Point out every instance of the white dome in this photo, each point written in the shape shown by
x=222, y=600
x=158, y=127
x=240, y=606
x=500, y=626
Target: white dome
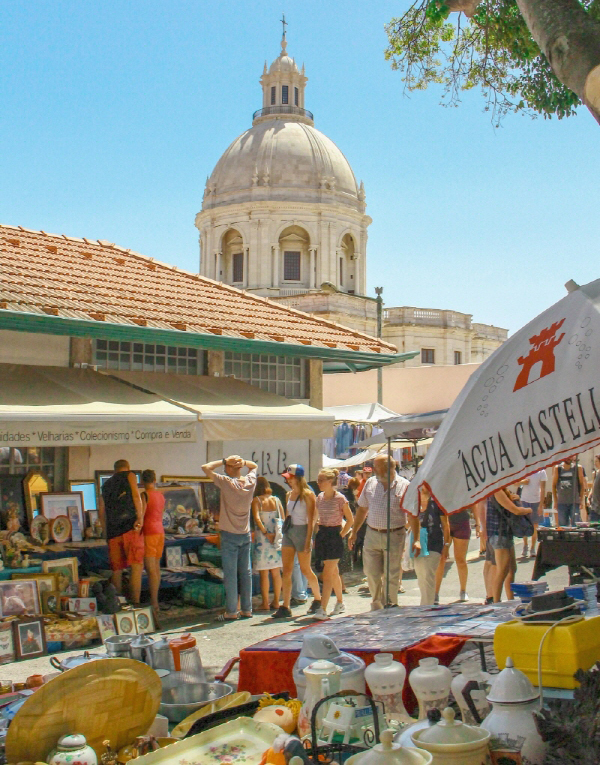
x=282, y=160
x=283, y=64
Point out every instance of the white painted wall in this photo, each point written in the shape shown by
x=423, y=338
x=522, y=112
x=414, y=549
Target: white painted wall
x=33, y=348
x=272, y=457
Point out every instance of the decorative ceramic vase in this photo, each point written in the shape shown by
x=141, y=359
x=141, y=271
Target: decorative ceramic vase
x=430, y=682
x=511, y=723
x=470, y=690
x=322, y=679
x=452, y=742
x=385, y=678
x=390, y=753
x=72, y=749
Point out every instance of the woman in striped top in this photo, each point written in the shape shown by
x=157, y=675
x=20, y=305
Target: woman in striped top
x=332, y=509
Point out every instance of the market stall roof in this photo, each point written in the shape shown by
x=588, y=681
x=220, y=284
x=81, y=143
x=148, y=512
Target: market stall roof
x=55, y=284
x=372, y=451
x=232, y=410
x=365, y=413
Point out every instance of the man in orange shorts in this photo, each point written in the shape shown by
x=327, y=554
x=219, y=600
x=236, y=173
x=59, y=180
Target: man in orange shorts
x=122, y=515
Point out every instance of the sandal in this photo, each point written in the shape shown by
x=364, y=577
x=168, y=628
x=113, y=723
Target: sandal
x=243, y=615
x=225, y=618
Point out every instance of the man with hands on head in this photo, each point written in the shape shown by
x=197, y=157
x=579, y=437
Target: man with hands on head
x=237, y=492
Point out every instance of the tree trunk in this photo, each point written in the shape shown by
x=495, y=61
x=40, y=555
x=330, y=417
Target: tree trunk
x=570, y=40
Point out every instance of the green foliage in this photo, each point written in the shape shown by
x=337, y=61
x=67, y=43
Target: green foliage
x=493, y=51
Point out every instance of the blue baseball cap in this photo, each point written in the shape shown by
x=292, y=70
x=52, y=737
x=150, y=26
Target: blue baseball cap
x=296, y=470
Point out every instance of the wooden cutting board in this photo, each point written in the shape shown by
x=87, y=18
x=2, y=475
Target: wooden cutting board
x=115, y=699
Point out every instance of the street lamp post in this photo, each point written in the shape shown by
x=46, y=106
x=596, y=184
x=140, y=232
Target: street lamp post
x=378, y=291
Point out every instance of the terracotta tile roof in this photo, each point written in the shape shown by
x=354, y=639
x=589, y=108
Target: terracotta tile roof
x=64, y=276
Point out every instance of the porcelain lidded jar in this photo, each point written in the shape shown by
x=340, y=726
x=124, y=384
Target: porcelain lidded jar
x=511, y=722
x=72, y=750
x=385, y=678
x=390, y=753
x=452, y=742
x=430, y=682
x=470, y=690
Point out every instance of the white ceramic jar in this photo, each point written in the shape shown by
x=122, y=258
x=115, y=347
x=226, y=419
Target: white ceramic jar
x=511, y=723
x=385, y=678
x=390, y=753
x=452, y=742
x=470, y=690
x=430, y=682
x=72, y=749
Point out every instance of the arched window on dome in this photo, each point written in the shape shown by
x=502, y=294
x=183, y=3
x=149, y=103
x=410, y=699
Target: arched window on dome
x=347, y=265
x=232, y=264
x=294, y=265
x=273, y=95
x=284, y=94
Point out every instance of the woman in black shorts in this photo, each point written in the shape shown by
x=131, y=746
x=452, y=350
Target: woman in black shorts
x=460, y=533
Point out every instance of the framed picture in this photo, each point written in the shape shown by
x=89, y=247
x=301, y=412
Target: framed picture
x=19, y=597
x=89, y=491
x=12, y=500
x=34, y=484
x=174, y=557
x=102, y=477
x=77, y=519
x=180, y=500
x=45, y=582
x=106, y=626
x=7, y=643
x=93, y=517
x=62, y=503
x=30, y=638
x=144, y=620
x=125, y=623
x=67, y=570
x=51, y=602
x=193, y=558
x=211, y=498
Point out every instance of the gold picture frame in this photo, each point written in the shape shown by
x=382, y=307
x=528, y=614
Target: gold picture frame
x=35, y=483
x=65, y=568
x=47, y=582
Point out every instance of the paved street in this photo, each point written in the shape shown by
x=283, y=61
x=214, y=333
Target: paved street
x=218, y=642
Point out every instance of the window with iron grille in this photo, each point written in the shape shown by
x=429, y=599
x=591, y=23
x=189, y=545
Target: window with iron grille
x=291, y=266
x=296, y=96
x=147, y=357
x=273, y=90
x=283, y=375
x=238, y=267
x=427, y=356
x=50, y=460
x=284, y=94
x=457, y=357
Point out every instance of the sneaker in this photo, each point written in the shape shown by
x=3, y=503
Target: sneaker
x=532, y=553
x=338, y=609
x=436, y=600
x=297, y=602
x=320, y=614
x=463, y=596
x=314, y=607
x=282, y=613
x=525, y=552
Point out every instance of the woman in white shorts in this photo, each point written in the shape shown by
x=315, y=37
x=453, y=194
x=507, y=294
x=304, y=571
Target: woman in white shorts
x=297, y=539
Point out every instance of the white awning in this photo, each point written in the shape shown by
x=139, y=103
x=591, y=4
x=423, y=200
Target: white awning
x=365, y=413
x=62, y=406
x=232, y=410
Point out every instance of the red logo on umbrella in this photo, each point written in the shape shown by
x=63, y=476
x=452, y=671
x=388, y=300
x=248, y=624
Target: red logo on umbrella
x=542, y=351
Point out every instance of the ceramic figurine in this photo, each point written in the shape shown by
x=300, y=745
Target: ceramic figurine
x=430, y=682
x=109, y=757
x=385, y=678
x=277, y=714
x=452, y=742
x=470, y=689
x=72, y=750
x=511, y=722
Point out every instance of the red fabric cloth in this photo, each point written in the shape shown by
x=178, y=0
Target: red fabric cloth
x=271, y=671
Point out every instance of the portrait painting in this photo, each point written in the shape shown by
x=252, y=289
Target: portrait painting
x=30, y=638
x=19, y=597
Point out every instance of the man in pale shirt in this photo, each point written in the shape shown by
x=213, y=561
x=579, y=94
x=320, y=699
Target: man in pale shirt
x=372, y=507
x=533, y=496
x=237, y=492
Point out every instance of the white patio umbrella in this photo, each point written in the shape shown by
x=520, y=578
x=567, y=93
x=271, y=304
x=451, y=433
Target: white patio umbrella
x=533, y=402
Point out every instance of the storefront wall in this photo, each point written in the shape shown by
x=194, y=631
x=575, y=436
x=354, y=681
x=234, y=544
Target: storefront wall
x=37, y=349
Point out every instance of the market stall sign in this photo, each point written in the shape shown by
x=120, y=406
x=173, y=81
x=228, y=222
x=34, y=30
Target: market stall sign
x=93, y=434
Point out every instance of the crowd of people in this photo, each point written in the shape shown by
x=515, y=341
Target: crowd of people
x=346, y=517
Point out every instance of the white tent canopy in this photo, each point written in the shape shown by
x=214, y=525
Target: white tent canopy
x=363, y=413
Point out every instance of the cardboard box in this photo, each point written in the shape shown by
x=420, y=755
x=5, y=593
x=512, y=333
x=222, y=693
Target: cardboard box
x=83, y=605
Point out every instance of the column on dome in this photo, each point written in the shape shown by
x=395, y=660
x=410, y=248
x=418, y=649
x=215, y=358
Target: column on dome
x=275, y=267
x=218, y=266
x=246, y=267
x=311, y=275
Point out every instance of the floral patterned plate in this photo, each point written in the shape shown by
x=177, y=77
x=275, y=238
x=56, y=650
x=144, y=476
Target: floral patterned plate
x=237, y=742
x=60, y=528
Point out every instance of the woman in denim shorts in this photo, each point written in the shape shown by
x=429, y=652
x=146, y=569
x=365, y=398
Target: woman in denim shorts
x=500, y=538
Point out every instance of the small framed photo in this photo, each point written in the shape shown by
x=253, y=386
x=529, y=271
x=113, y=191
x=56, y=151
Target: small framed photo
x=7, y=643
x=193, y=558
x=106, y=626
x=144, y=620
x=67, y=570
x=51, y=601
x=125, y=623
x=30, y=638
x=174, y=557
x=45, y=582
x=58, y=503
x=19, y=597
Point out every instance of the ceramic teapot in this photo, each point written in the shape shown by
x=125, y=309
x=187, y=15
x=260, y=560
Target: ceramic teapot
x=390, y=753
x=322, y=679
x=511, y=723
x=452, y=742
x=72, y=749
x=430, y=682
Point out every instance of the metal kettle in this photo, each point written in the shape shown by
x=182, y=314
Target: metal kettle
x=142, y=649
x=163, y=656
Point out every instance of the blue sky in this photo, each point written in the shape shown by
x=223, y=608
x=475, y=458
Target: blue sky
x=113, y=114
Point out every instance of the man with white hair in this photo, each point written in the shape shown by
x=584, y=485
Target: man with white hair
x=237, y=492
x=372, y=507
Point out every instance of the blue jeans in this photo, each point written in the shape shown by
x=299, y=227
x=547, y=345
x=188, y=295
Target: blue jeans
x=568, y=513
x=299, y=582
x=236, y=559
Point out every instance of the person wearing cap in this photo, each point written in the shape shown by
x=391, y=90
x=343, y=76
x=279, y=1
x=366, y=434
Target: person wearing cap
x=372, y=507
x=237, y=492
x=297, y=539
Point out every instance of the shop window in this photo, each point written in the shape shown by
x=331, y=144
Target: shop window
x=50, y=460
x=291, y=266
x=457, y=357
x=272, y=95
x=238, y=267
x=147, y=357
x=284, y=94
x=427, y=356
x=283, y=375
